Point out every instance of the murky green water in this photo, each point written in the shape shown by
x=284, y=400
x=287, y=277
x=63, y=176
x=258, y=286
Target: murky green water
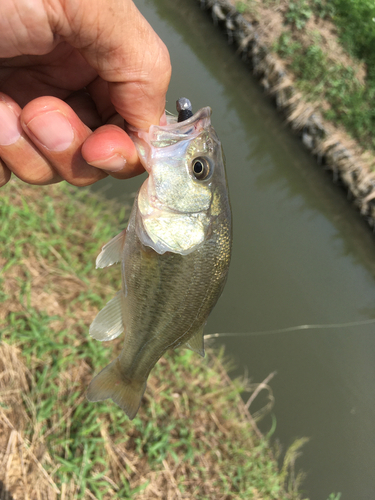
x=301, y=255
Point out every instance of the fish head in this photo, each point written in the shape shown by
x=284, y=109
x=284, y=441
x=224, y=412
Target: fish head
x=186, y=182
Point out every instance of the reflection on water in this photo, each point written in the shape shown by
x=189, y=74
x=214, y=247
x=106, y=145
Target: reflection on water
x=301, y=255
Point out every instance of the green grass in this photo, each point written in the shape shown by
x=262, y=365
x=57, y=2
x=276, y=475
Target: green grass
x=319, y=78
x=356, y=22
x=345, y=100
x=298, y=13
x=192, y=435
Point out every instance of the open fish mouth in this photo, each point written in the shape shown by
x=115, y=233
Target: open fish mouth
x=176, y=131
x=161, y=136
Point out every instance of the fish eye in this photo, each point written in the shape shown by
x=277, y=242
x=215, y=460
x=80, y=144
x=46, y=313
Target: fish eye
x=201, y=168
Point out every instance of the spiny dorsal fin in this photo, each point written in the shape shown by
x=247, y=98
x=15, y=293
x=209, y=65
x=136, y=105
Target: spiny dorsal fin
x=111, y=252
x=108, y=323
x=196, y=343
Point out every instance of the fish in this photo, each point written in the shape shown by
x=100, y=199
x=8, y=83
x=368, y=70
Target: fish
x=174, y=254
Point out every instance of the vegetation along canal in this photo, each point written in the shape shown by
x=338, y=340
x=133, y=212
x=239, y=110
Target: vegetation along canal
x=301, y=255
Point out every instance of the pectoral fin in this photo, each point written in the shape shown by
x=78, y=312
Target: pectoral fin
x=111, y=252
x=196, y=343
x=108, y=323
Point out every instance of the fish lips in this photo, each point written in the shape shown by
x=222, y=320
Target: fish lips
x=163, y=136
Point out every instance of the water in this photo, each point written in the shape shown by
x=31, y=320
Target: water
x=301, y=255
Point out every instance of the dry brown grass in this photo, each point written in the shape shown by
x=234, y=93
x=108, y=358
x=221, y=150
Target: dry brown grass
x=194, y=436
x=28, y=468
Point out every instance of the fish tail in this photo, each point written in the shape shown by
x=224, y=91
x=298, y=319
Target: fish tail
x=111, y=383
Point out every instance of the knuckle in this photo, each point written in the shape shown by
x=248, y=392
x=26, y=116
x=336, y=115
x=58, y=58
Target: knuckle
x=164, y=65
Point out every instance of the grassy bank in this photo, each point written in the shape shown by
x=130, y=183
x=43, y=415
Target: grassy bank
x=327, y=45
x=193, y=436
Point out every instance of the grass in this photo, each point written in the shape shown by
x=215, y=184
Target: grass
x=322, y=79
x=193, y=437
x=355, y=20
x=324, y=74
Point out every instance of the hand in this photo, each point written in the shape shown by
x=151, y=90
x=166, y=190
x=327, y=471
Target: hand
x=69, y=67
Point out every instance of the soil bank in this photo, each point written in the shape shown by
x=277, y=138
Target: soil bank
x=331, y=145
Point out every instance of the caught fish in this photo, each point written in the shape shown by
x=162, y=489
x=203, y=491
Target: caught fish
x=174, y=254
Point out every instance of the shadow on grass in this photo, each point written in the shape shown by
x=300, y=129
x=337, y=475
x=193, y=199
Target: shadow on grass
x=4, y=494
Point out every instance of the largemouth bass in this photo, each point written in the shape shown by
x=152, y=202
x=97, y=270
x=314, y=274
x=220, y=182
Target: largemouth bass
x=174, y=254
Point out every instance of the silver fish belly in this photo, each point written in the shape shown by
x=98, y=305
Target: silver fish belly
x=174, y=256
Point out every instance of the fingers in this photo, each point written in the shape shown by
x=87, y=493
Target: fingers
x=58, y=134
x=76, y=154
x=41, y=144
x=119, y=43
x=17, y=152
x=111, y=149
x=47, y=142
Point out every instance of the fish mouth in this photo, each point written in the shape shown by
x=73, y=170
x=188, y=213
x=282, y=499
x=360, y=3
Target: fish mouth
x=166, y=135
x=199, y=121
x=161, y=136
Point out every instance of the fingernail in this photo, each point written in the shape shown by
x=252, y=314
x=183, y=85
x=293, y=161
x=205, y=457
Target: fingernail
x=53, y=130
x=113, y=164
x=10, y=127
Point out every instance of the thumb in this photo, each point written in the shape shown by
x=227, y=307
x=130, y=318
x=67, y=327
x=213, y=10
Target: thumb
x=117, y=41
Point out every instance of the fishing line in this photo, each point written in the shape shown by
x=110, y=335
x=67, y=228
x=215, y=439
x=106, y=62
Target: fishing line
x=292, y=329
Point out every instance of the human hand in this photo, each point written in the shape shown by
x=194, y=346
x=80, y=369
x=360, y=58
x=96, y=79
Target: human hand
x=67, y=68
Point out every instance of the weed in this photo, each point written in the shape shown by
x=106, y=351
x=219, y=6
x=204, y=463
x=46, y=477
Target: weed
x=287, y=47
x=298, y=13
x=334, y=496
x=325, y=9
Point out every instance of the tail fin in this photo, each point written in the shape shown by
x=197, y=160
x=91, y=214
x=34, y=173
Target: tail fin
x=111, y=383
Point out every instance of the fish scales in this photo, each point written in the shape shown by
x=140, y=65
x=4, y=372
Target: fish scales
x=174, y=256
x=172, y=301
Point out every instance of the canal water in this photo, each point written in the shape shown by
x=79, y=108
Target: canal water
x=301, y=255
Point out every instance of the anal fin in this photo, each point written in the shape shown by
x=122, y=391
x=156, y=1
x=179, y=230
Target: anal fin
x=111, y=252
x=108, y=323
x=196, y=343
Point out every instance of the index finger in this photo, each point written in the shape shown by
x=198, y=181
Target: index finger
x=119, y=43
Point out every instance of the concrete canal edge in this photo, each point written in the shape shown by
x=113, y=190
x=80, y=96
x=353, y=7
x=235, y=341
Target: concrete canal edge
x=319, y=137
